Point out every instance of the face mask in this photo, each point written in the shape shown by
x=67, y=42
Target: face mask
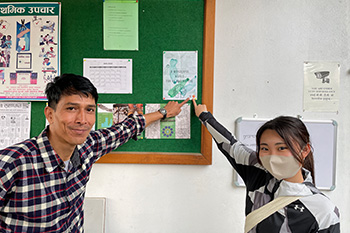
x=281, y=167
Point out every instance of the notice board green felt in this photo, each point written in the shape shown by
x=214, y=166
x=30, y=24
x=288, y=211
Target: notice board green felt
x=164, y=25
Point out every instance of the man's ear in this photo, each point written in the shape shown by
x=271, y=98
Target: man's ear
x=48, y=111
x=306, y=150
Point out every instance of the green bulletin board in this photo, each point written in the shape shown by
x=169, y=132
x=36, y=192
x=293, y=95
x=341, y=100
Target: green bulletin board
x=164, y=25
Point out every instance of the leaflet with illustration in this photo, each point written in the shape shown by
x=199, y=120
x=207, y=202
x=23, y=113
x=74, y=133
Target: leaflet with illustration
x=180, y=77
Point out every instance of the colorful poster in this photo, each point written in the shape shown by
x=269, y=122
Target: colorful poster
x=29, y=49
x=112, y=114
x=178, y=127
x=104, y=115
x=321, y=86
x=180, y=75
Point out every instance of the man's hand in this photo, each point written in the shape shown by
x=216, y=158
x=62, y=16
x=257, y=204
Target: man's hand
x=131, y=109
x=173, y=108
x=139, y=109
x=199, y=108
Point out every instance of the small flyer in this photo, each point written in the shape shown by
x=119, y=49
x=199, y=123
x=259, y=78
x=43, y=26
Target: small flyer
x=321, y=86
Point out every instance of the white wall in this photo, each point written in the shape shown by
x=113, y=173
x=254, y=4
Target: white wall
x=260, y=49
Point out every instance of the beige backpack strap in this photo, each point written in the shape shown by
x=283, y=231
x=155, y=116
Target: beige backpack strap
x=256, y=216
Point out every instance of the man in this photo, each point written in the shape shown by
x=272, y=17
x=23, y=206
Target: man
x=43, y=179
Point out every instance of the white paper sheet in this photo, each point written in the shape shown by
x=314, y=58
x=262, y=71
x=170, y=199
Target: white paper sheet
x=109, y=75
x=14, y=122
x=321, y=86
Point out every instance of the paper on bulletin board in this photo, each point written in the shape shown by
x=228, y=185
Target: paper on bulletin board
x=29, y=49
x=321, y=86
x=180, y=75
x=104, y=115
x=111, y=114
x=14, y=122
x=178, y=127
x=109, y=75
x=120, y=25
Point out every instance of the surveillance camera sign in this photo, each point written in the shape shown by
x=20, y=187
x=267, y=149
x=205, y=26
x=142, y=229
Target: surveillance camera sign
x=321, y=86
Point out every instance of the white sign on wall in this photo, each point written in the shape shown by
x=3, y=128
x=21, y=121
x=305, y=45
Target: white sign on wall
x=321, y=86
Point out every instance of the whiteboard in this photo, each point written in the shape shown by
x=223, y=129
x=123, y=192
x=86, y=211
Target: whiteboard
x=323, y=137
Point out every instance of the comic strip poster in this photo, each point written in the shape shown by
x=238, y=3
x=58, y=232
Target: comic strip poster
x=29, y=49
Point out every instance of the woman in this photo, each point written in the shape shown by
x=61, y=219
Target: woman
x=281, y=167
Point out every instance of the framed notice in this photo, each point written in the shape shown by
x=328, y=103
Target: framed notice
x=29, y=49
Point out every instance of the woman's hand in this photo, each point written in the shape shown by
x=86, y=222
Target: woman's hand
x=199, y=108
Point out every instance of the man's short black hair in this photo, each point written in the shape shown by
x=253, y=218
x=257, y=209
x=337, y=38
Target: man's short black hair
x=69, y=84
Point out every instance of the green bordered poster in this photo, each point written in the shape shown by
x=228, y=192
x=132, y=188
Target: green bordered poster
x=29, y=49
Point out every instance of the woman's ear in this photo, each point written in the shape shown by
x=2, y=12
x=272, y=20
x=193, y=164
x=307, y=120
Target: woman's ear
x=306, y=150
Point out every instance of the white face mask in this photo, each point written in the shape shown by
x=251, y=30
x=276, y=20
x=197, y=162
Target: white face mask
x=280, y=166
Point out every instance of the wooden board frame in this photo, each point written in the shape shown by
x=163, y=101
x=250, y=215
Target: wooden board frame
x=205, y=157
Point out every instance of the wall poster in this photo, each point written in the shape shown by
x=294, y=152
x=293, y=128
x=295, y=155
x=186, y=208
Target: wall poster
x=180, y=71
x=321, y=86
x=29, y=49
